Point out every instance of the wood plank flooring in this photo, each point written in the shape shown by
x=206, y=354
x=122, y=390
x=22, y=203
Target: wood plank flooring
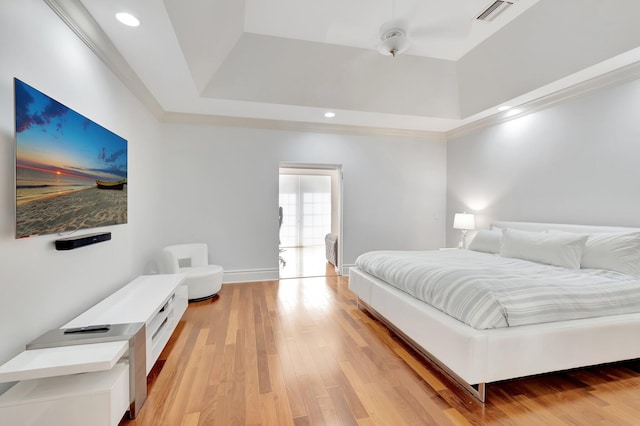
x=299, y=352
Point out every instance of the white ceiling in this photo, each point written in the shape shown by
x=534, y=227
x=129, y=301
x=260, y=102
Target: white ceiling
x=292, y=60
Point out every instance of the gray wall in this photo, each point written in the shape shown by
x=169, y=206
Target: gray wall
x=577, y=162
x=222, y=188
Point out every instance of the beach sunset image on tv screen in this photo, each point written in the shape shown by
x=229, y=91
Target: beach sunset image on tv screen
x=71, y=173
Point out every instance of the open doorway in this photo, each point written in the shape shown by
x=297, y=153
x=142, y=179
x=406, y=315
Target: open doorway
x=310, y=220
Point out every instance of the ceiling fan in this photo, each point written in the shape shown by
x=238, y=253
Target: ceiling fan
x=395, y=36
x=393, y=39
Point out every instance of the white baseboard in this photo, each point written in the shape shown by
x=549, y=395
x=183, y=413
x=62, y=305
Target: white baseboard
x=345, y=269
x=250, y=275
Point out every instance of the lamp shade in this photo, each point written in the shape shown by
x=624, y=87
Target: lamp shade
x=464, y=221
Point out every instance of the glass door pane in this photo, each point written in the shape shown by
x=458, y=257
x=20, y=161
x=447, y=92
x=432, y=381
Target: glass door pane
x=306, y=205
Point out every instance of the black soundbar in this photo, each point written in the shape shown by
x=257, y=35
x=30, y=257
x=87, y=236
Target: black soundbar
x=71, y=243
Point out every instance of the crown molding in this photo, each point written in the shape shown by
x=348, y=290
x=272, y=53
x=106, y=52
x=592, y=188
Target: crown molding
x=616, y=77
x=80, y=21
x=297, y=126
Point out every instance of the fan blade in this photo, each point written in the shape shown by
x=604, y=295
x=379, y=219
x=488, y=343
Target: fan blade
x=363, y=62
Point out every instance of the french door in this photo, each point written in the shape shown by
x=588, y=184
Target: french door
x=306, y=208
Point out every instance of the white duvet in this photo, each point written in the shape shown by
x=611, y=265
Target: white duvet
x=489, y=291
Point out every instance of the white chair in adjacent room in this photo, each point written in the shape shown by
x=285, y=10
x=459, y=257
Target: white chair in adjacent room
x=204, y=281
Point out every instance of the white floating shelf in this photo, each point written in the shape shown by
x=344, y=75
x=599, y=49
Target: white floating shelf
x=59, y=361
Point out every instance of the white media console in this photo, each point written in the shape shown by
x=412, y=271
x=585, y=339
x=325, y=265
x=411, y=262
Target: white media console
x=89, y=383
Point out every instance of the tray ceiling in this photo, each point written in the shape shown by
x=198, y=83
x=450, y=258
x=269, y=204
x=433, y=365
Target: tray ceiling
x=292, y=60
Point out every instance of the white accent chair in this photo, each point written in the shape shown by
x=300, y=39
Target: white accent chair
x=204, y=281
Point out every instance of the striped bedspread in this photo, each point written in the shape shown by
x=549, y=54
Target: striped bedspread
x=488, y=291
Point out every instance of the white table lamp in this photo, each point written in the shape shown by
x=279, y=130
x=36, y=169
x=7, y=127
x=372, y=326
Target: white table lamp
x=465, y=222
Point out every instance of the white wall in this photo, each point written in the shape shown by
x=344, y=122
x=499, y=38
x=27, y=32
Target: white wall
x=577, y=162
x=221, y=186
x=42, y=288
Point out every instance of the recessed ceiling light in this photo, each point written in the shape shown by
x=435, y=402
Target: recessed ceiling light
x=329, y=114
x=504, y=107
x=127, y=19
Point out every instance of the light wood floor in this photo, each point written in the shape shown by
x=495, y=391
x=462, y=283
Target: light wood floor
x=299, y=352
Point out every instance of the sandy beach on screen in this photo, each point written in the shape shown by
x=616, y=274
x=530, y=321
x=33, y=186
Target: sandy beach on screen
x=88, y=208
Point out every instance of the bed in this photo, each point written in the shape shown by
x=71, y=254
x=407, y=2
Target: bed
x=475, y=354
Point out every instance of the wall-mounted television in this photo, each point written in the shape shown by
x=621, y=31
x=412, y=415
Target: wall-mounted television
x=71, y=173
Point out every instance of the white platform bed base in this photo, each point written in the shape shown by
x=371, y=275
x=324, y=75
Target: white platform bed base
x=474, y=357
x=476, y=390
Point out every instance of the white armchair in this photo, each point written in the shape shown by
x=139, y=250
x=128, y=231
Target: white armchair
x=204, y=281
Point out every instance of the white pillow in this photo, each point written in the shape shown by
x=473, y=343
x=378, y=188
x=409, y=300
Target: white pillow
x=553, y=248
x=618, y=252
x=488, y=241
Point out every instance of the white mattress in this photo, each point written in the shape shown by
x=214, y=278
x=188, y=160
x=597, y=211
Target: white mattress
x=488, y=291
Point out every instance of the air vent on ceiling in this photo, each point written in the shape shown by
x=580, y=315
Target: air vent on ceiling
x=494, y=9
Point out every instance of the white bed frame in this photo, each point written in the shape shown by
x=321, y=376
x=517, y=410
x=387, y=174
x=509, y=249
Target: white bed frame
x=474, y=358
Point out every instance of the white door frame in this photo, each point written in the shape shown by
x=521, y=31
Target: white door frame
x=308, y=168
